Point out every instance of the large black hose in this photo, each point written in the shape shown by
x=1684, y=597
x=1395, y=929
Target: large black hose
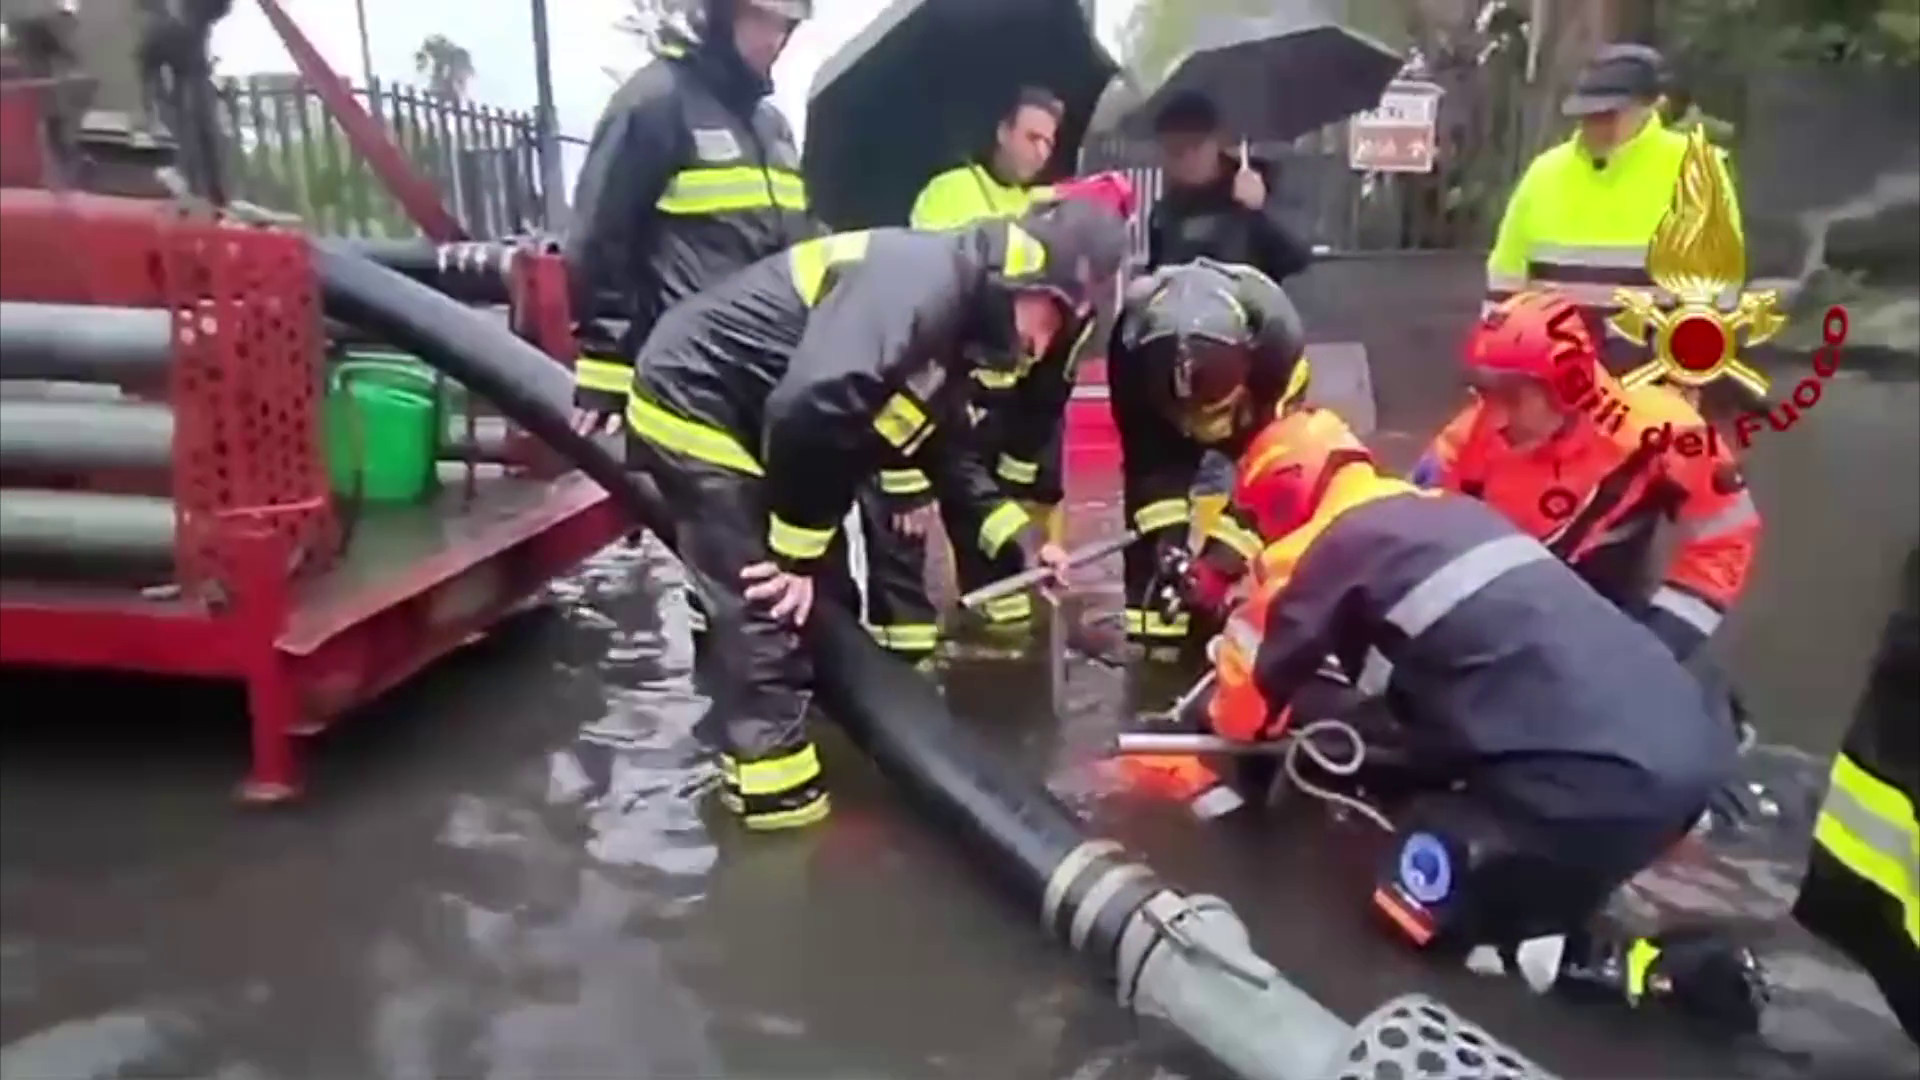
x=473, y=272
x=1185, y=959
x=884, y=706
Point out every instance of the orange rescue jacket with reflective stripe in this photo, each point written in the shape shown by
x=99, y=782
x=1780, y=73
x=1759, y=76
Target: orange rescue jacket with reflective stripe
x=1596, y=492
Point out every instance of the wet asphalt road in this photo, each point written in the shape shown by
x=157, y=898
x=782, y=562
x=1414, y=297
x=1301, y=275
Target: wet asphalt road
x=508, y=869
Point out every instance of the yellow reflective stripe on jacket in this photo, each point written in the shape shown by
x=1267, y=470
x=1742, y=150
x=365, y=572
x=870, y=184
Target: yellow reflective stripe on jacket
x=1297, y=385
x=1152, y=624
x=904, y=481
x=1000, y=526
x=730, y=188
x=1017, y=471
x=682, y=436
x=1162, y=514
x=996, y=378
x=809, y=261
x=1008, y=609
x=907, y=637
x=1868, y=826
x=1025, y=255
x=796, y=541
x=1244, y=542
x=903, y=423
x=609, y=376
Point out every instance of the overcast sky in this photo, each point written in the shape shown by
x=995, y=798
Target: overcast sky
x=499, y=35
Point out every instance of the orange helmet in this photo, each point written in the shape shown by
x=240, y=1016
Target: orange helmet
x=1530, y=336
x=1285, y=471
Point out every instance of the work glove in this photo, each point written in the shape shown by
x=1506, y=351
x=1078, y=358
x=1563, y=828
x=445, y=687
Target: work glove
x=1426, y=472
x=1182, y=582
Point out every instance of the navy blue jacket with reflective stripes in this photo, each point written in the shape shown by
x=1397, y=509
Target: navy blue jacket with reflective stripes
x=1522, y=680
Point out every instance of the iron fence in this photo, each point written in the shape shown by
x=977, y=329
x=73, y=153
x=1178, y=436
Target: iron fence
x=286, y=153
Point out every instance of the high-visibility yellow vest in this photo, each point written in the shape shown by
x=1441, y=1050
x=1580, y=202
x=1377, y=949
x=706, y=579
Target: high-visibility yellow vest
x=1582, y=229
x=961, y=196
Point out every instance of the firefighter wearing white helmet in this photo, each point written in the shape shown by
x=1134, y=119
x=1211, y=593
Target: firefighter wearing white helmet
x=693, y=174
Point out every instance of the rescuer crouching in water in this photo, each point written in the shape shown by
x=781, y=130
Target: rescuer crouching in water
x=1204, y=354
x=760, y=406
x=1564, y=748
x=1591, y=469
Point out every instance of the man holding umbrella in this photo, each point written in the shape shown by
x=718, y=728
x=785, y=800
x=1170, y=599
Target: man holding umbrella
x=1216, y=206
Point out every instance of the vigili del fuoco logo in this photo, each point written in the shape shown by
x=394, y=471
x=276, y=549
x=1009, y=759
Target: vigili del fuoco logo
x=1698, y=259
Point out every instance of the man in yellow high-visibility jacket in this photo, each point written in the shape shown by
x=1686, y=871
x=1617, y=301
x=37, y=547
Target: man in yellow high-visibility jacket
x=995, y=185
x=1583, y=213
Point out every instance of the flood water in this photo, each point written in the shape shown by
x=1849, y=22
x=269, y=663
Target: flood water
x=509, y=868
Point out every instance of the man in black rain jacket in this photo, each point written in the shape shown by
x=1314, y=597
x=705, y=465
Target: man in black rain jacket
x=691, y=176
x=762, y=405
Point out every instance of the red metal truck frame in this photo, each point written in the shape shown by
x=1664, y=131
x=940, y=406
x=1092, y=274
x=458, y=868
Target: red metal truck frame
x=256, y=530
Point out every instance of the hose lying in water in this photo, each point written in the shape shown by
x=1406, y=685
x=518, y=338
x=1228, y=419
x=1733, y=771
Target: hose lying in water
x=1185, y=959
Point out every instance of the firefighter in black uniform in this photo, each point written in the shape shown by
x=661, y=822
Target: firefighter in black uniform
x=1862, y=890
x=1012, y=423
x=1203, y=356
x=762, y=405
x=1016, y=414
x=692, y=175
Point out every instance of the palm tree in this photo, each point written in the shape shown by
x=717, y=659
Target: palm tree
x=445, y=65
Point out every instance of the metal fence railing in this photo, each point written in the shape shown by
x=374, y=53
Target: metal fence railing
x=286, y=153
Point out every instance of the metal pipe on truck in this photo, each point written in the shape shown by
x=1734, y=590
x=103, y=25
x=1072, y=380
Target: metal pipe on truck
x=52, y=435
x=86, y=527
x=83, y=343
x=1186, y=959
x=78, y=436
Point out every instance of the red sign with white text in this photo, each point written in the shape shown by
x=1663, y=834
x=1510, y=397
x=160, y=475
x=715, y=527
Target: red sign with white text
x=1398, y=135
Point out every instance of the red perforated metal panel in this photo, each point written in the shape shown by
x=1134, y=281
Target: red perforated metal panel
x=245, y=392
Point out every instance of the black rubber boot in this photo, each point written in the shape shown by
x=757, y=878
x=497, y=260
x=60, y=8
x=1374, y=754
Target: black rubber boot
x=1698, y=973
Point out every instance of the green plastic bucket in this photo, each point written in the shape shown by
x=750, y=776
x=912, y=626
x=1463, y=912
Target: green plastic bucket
x=384, y=416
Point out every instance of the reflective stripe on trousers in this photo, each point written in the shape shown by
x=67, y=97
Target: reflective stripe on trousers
x=1445, y=589
x=1868, y=826
x=1147, y=623
x=781, y=792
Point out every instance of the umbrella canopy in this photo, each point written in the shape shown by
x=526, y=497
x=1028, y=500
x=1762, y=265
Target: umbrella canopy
x=1273, y=80
x=920, y=91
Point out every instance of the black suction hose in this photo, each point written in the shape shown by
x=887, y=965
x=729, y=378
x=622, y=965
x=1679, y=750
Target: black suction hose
x=1186, y=959
x=885, y=707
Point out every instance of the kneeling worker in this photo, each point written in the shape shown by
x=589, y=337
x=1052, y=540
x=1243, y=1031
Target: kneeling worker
x=1572, y=749
x=761, y=405
x=1591, y=468
x=1204, y=355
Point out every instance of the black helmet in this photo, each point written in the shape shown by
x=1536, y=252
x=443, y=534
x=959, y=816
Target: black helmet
x=1072, y=249
x=797, y=10
x=1188, y=327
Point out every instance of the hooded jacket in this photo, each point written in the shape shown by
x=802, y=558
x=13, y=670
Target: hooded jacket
x=847, y=354
x=692, y=175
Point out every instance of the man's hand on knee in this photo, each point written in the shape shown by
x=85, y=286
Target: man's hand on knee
x=788, y=597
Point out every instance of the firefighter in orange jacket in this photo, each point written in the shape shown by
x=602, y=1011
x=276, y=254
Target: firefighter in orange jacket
x=1567, y=748
x=1591, y=469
